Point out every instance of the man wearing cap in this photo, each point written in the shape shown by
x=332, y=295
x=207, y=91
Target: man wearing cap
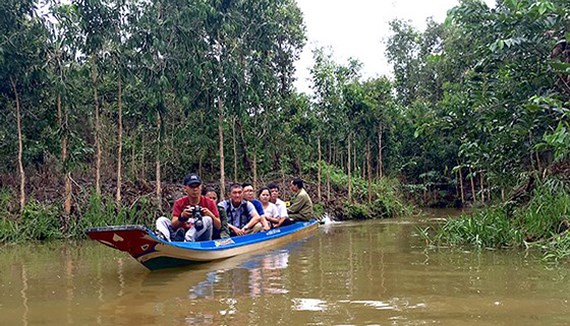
x=185, y=221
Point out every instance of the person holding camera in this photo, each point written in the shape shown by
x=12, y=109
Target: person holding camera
x=193, y=216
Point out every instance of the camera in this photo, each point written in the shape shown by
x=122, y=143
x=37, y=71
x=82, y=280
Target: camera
x=181, y=218
x=197, y=215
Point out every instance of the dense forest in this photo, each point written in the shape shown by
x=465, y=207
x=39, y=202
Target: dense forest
x=106, y=103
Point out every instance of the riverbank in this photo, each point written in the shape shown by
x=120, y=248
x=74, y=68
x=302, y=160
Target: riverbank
x=43, y=217
x=537, y=219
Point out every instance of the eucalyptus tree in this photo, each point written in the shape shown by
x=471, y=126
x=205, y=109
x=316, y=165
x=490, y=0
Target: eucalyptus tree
x=96, y=28
x=377, y=116
x=327, y=98
x=403, y=52
x=252, y=46
x=119, y=53
x=62, y=51
x=331, y=85
x=162, y=58
x=21, y=58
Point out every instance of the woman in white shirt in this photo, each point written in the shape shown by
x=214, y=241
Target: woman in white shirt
x=271, y=211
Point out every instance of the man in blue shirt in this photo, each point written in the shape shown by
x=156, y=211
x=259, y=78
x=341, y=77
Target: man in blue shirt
x=242, y=216
x=248, y=194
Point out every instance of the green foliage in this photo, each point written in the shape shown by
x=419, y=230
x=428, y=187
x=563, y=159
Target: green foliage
x=39, y=222
x=98, y=213
x=547, y=214
x=558, y=249
x=544, y=220
x=386, y=194
x=6, y=200
x=319, y=209
x=558, y=141
x=490, y=228
x=9, y=230
x=357, y=211
x=102, y=211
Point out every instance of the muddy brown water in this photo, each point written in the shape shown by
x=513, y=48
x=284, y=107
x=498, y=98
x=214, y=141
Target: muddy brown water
x=353, y=273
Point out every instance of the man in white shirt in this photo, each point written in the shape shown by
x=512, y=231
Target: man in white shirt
x=281, y=206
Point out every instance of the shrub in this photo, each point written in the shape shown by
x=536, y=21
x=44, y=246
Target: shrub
x=356, y=211
x=490, y=228
x=9, y=231
x=40, y=222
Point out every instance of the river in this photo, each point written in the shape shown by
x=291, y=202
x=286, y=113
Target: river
x=353, y=273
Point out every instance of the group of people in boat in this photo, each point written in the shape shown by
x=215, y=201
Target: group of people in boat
x=199, y=216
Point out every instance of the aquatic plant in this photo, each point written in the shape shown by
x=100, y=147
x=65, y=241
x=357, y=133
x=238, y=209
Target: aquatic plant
x=489, y=228
x=558, y=248
x=543, y=222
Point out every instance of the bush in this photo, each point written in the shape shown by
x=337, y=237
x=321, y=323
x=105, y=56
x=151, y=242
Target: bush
x=559, y=248
x=356, y=211
x=546, y=214
x=544, y=220
x=9, y=231
x=319, y=210
x=490, y=228
x=102, y=211
x=40, y=222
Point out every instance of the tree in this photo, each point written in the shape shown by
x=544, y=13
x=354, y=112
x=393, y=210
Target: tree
x=21, y=58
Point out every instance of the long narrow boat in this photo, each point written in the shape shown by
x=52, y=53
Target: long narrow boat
x=155, y=253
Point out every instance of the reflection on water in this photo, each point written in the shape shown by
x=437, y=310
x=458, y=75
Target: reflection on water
x=349, y=273
x=254, y=277
x=25, y=296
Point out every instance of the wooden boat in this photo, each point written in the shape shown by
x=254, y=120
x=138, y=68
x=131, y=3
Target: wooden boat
x=154, y=253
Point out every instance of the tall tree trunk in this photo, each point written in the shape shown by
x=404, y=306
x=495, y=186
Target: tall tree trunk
x=354, y=160
x=20, y=147
x=235, y=151
x=62, y=121
x=254, y=167
x=246, y=160
x=336, y=160
x=221, y=147
x=369, y=170
x=319, y=195
x=482, y=188
x=158, y=152
x=143, y=159
x=329, y=174
x=348, y=165
x=380, y=167
x=473, y=195
x=133, y=172
x=461, y=185
x=97, y=128
x=120, y=150
x=364, y=169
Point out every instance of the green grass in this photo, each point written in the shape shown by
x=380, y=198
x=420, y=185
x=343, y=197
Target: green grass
x=542, y=222
x=490, y=228
x=558, y=249
x=40, y=221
